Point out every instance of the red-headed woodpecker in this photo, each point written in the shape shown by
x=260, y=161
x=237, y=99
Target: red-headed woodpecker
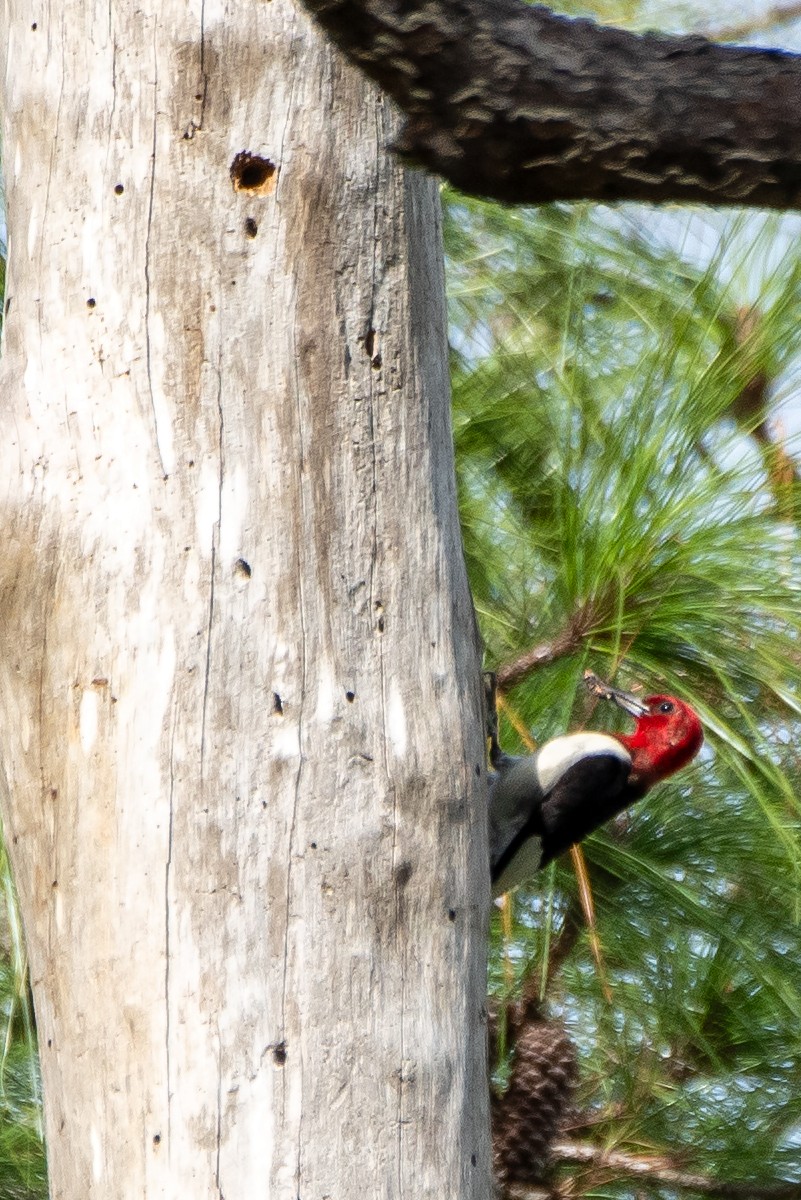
x=543, y=803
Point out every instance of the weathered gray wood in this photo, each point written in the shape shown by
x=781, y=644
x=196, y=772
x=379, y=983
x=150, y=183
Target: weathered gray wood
x=506, y=100
x=239, y=682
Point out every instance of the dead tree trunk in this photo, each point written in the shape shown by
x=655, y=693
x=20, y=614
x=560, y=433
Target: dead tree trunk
x=239, y=682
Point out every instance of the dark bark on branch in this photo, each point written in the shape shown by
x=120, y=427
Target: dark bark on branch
x=514, y=103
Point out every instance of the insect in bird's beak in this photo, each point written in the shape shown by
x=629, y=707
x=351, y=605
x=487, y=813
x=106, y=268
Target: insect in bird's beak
x=624, y=700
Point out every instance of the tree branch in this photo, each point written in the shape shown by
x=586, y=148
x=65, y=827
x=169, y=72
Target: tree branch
x=544, y=653
x=656, y=1171
x=779, y=14
x=750, y=410
x=511, y=102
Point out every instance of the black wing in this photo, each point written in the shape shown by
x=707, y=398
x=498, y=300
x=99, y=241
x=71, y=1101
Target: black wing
x=584, y=797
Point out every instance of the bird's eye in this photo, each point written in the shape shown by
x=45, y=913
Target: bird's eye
x=666, y=707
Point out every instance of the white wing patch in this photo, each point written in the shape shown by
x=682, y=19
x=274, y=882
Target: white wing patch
x=521, y=869
x=561, y=753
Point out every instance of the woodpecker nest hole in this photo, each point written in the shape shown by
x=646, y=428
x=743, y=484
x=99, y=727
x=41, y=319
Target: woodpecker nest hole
x=250, y=173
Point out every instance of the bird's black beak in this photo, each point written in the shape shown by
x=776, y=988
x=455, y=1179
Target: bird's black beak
x=624, y=700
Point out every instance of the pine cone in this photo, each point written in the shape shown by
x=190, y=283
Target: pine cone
x=530, y=1115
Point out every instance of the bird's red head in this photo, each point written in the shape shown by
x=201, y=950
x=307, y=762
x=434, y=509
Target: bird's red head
x=667, y=736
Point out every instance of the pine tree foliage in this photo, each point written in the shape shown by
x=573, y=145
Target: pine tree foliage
x=618, y=513
x=23, y=1174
